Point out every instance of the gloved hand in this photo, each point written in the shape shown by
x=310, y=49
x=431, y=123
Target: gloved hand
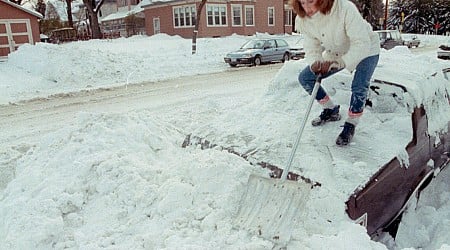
x=323, y=67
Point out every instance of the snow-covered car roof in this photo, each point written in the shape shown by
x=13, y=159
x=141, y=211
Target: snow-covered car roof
x=425, y=85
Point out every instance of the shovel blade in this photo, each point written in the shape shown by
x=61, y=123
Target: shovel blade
x=271, y=208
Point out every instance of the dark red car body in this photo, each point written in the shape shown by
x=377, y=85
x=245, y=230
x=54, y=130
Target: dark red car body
x=386, y=194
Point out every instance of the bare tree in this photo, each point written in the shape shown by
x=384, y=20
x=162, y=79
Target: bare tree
x=69, y=12
x=41, y=7
x=51, y=13
x=372, y=11
x=197, y=22
x=93, y=7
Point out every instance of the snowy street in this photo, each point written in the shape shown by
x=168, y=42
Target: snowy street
x=27, y=122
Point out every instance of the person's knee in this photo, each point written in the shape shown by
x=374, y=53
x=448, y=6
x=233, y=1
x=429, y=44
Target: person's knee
x=305, y=77
x=302, y=77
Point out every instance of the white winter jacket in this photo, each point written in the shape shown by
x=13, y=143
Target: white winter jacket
x=343, y=33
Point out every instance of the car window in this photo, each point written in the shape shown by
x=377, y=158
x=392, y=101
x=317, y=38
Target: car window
x=282, y=43
x=396, y=35
x=258, y=44
x=270, y=44
x=253, y=44
x=382, y=35
x=388, y=36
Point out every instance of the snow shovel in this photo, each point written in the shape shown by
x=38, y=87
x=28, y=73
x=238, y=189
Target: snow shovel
x=272, y=207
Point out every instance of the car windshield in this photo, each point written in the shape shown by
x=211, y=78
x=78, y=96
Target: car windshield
x=382, y=35
x=253, y=44
x=409, y=36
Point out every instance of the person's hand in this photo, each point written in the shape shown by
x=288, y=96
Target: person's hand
x=323, y=67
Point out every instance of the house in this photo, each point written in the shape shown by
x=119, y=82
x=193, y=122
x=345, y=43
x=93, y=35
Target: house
x=18, y=26
x=219, y=17
x=127, y=20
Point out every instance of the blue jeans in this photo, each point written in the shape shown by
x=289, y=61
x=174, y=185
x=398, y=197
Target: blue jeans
x=360, y=83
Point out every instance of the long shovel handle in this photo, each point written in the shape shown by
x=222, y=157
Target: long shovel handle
x=302, y=127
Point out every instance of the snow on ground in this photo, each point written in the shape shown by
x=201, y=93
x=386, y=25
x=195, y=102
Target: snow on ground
x=121, y=180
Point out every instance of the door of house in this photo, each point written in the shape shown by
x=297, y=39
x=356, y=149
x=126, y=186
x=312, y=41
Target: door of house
x=13, y=33
x=156, y=25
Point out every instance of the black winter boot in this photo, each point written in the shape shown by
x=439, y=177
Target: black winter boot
x=346, y=135
x=327, y=115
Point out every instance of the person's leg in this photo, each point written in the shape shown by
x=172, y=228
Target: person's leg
x=307, y=79
x=330, y=112
x=360, y=88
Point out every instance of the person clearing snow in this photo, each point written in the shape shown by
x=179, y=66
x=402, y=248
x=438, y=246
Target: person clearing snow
x=337, y=37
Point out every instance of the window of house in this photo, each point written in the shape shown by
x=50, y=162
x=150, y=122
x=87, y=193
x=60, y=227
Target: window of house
x=216, y=14
x=188, y=15
x=193, y=15
x=184, y=16
x=288, y=17
x=237, y=14
x=249, y=15
x=271, y=16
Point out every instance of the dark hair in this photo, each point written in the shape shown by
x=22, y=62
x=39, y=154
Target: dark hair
x=324, y=7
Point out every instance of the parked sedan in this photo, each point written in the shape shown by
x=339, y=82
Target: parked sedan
x=410, y=40
x=444, y=51
x=389, y=38
x=258, y=51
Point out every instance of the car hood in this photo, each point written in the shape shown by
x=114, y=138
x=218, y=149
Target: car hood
x=243, y=51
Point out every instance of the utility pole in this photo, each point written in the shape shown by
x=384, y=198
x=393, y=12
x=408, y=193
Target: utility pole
x=197, y=23
x=386, y=14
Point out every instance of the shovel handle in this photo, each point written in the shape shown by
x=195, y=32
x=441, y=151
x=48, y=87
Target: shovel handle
x=302, y=127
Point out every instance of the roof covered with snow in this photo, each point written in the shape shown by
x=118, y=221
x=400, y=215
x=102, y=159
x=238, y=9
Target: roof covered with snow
x=32, y=12
x=124, y=13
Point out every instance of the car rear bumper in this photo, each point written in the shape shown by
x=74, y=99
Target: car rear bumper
x=443, y=54
x=411, y=44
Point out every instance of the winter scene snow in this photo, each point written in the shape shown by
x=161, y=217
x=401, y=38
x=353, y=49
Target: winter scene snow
x=136, y=143
x=114, y=176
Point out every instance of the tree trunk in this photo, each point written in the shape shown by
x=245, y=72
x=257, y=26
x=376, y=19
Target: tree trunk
x=197, y=22
x=69, y=12
x=93, y=9
x=40, y=7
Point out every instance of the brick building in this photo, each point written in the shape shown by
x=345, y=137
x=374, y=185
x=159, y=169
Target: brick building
x=219, y=17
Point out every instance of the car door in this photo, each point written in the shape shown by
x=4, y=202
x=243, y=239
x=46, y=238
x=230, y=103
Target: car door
x=277, y=51
x=389, y=42
x=393, y=38
x=282, y=48
x=269, y=51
